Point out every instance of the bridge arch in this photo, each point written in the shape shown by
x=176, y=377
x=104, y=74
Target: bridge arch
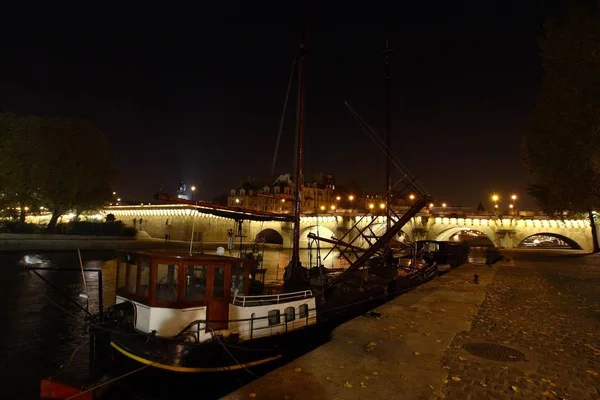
x=474, y=237
x=270, y=236
x=323, y=232
x=549, y=240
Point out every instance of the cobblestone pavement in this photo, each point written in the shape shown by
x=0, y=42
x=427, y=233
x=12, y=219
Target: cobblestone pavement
x=548, y=308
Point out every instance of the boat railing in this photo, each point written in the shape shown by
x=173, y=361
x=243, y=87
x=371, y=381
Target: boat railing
x=250, y=301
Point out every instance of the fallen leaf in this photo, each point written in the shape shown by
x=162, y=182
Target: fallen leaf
x=439, y=395
x=417, y=353
x=297, y=369
x=253, y=395
x=515, y=388
x=547, y=394
x=328, y=378
x=455, y=378
x=529, y=380
x=438, y=341
x=375, y=373
x=445, y=380
x=347, y=384
x=589, y=371
x=461, y=358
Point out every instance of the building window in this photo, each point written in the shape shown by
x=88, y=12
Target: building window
x=166, y=282
x=303, y=311
x=290, y=314
x=274, y=317
x=144, y=277
x=133, y=272
x=195, y=287
x=219, y=282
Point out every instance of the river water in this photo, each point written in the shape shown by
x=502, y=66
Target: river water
x=43, y=334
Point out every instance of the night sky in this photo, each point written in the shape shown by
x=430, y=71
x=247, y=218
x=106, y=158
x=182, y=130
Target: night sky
x=197, y=95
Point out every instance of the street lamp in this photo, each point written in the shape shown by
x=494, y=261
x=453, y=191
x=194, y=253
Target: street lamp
x=382, y=206
x=351, y=198
x=371, y=206
x=322, y=208
x=338, y=198
x=430, y=205
x=443, y=204
x=412, y=196
x=237, y=201
x=193, y=190
x=332, y=207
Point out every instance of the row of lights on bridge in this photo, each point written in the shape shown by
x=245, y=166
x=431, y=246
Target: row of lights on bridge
x=351, y=198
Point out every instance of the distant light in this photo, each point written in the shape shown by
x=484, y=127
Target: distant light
x=514, y=197
x=495, y=197
x=371, y=206
x=382, y=206
x=412, y=197
x=332, y=207
x=119, y=199
x=338, y=198
x=322, y=208
x=237, y=201
x=443, y=204
x=193, y=188
x=511, y=206
x=26, y=208
x=495, y=205
x=430, y=205
x=350, y=197
x=283, y=200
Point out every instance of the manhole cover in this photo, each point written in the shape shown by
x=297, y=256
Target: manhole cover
x=494, y=352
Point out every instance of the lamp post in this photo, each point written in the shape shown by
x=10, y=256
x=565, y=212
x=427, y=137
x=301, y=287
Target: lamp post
x=513, y=197
x=351, y=199
x=193, y=190
x=495, y=199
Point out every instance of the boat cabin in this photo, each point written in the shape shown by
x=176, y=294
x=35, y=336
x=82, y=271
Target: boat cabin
x=172, y=293
x=168, y=285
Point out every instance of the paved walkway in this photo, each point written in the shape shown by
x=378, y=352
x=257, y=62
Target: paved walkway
x=549, y=311
x=395, y=356
x=545, y=311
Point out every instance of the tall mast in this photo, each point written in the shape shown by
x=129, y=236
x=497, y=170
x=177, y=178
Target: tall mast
x=388, y=127
x=298, y=175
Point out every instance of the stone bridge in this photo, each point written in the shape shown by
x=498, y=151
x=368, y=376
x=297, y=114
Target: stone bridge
x=505, y=231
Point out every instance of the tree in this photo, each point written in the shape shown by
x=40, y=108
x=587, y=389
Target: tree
x=79, y=168
x=561, y=151
x=20, y=164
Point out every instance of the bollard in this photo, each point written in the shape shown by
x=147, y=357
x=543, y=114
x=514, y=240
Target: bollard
x=475, y=278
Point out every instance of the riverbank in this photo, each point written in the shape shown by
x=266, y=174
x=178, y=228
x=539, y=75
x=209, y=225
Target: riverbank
x=54, y=242
x=395, y=355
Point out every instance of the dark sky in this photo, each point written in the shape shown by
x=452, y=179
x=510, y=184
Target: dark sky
x=196, y=95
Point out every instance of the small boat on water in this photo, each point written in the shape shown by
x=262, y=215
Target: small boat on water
x=202, y=313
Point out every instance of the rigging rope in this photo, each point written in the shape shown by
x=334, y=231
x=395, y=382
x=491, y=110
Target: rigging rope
x=282, y=119
x=394, y=159
x=87, y=297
